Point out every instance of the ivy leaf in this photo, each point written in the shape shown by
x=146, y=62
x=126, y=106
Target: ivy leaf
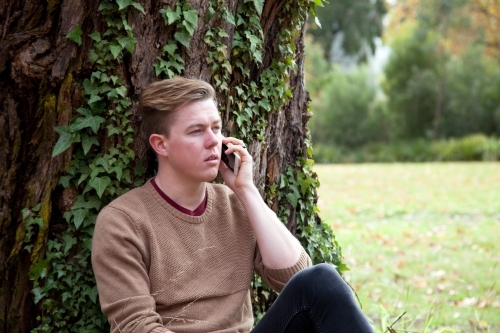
x=84, y=112
x=87, y=142
x=75, y=35
x=183, y=38
x=122, y=40
x=79, y=216
x=115, y=49
x=37, y=292
x=94, y=98
x=93, y=122
x=122, y=4
x=223, y=33
x=170, y=48
x=68, y=242
x=139, y=7
x=96, y=36
x=227, y=66
x=64, y=181
x=65, y=140
x=230, y=18
x=169, y=15
x=259, y=4
x=122, y=91
x=294, y=196
x=81, y=179
x=100, y=184
x=191, y=18
x=131, y=44
x=113, y=130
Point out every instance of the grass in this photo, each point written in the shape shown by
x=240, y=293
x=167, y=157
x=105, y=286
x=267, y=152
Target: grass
x=421, y=239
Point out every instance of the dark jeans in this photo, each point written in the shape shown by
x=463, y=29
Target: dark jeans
x=315, y=300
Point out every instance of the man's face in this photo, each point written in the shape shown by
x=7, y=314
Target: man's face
x=194, y=142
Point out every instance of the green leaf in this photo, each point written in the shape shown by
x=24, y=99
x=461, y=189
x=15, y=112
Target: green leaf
x=87, y=142
x=79, y=216
x=183, y=38
x=259, y=4
x=223, y=33
x=68, y=242
x=82, y=178
x=122, y=91
x=113, y=130
x=131, y=44
x=93, y=122
x=122, y=4
x=65, y=141
x=191, y=17
x=138, y=6
x=170, y=48
x=64, y=181
x=100, y=184
x=37, y=292
x=169, y=15
x=75, y=35
x=316, y=19
x=230, y=18
x=122, y=40
x=115, y=49
x=96, y=36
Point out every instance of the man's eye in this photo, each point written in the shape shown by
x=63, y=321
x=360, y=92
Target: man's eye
x=196, y=131
x=216, y=128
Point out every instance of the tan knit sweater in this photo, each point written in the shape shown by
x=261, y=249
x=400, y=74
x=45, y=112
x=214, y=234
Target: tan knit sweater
x=158, y=269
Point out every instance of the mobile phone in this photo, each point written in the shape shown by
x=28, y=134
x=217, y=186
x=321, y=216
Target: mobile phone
x=232, y=161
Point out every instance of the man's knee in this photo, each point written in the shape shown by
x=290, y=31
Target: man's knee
x=320, y=276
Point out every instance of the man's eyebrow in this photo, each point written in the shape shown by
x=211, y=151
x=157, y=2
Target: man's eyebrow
x=215, y=122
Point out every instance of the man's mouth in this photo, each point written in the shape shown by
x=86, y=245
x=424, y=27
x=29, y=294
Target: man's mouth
x=212, y=158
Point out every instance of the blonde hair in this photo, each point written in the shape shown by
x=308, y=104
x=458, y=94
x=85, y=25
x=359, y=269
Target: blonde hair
x=160, y=101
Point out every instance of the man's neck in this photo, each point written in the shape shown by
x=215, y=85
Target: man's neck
x=186, y=194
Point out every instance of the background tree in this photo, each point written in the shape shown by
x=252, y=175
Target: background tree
x=356, y=22
x=441, y=79
x=71, y=74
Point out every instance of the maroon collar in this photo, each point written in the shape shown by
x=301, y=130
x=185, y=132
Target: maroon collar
x=197, y=212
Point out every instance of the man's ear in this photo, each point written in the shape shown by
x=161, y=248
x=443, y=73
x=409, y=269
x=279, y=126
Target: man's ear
x=159, y=143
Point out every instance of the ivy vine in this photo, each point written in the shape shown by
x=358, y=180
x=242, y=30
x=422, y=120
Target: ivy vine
x=170, y=63
x=63, y=280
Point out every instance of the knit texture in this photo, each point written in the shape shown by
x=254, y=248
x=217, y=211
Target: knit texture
x=159, y=270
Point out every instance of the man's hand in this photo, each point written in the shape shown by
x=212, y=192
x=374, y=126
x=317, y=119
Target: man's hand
x=244, y=181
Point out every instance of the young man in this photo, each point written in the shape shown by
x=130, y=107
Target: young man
x=178, y=254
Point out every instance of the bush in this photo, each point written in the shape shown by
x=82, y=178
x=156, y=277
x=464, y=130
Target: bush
x=476, y=147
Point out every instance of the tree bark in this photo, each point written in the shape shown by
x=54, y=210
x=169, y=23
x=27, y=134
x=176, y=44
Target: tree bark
x=40, y=87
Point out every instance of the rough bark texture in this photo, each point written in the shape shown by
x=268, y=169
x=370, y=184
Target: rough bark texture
x=40, y=76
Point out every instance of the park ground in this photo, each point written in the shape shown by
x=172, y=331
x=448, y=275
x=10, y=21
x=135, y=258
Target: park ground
x=421, y=241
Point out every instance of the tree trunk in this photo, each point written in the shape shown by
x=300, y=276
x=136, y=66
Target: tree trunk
x=41, y=75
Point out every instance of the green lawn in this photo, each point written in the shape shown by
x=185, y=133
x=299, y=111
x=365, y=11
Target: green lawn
x=421, y=238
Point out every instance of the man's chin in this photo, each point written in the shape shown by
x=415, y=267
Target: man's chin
x=211, y=176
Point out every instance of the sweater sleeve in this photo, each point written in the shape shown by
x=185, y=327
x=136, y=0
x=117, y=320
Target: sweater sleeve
x=119, y=261
x=278, y=278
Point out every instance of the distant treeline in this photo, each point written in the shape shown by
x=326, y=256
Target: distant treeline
x=438, y=97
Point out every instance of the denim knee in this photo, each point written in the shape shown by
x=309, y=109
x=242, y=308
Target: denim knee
x=321, y=279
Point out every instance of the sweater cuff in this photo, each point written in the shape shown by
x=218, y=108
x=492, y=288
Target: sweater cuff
x=285, y=274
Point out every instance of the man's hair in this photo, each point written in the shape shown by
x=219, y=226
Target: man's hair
x=160, y=101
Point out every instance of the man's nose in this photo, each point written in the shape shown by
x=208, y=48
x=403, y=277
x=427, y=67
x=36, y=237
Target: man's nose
x=212, y=139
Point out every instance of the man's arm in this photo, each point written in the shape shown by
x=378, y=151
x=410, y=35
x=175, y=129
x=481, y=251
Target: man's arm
x=122, y=276
x=278, y=247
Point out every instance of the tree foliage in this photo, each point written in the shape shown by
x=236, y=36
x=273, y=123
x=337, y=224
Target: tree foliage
x=359, y=22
